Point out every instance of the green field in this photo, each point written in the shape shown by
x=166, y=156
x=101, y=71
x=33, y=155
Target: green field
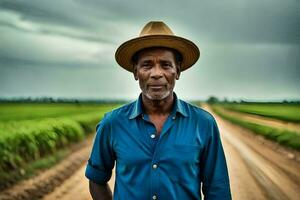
x=282, y=136
x=30, y=131
x=27, y=111
x=286, y=112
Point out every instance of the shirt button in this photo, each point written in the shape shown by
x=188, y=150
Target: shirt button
x=154, y=166
x=152, y=136
x=173, y=117
x=154, y=197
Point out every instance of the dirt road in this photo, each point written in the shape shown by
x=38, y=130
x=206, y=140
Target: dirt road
x=256, y=170
x=275, y=173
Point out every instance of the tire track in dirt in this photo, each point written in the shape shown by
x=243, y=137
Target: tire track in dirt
x=242, y=183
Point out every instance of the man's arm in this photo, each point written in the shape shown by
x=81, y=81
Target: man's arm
x=101, y=162
x=100, y=192
x=214, y=177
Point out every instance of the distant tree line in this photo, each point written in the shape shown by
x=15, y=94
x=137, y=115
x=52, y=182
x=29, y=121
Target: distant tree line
x=61, y=100
x=214, y=100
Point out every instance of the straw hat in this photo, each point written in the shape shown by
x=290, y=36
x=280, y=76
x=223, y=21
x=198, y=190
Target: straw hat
x=157, y=34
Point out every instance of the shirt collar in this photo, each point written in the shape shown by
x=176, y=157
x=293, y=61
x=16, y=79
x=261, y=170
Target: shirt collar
x=137, y=107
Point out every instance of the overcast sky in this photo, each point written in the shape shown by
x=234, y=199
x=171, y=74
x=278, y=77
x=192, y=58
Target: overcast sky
x=250, y=49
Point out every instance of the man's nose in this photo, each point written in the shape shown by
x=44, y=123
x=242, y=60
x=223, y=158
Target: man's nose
x=156, y=72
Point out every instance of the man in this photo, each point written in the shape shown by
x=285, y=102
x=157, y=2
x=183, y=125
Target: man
x=163, y=147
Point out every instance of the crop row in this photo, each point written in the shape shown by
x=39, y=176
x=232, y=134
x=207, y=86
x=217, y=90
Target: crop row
x=285, y=112
x=27, y=140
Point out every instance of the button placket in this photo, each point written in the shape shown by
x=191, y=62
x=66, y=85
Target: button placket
x=155, y=159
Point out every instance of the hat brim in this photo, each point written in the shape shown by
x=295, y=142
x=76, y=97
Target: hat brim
x=189, y=51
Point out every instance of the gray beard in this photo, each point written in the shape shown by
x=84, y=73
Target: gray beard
x=158, y=98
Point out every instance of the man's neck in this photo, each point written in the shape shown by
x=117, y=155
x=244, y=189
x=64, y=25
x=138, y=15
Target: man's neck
x=158, y=107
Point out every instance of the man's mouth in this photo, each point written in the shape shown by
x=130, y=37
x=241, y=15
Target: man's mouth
x=156, y=86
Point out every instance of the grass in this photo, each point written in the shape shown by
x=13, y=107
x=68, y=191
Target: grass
x=285, y=112
x=29, y=111
x=284, y=137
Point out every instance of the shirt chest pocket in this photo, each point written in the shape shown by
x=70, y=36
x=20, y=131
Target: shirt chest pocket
x=181, y=162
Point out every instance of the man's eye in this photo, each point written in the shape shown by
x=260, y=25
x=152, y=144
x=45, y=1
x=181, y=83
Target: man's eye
x=166, y=65
x=146, y=65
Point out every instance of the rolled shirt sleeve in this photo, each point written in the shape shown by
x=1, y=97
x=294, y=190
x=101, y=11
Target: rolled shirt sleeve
x=214, y=175
x=102, y=159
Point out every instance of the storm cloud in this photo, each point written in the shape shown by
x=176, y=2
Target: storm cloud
x=249, y=49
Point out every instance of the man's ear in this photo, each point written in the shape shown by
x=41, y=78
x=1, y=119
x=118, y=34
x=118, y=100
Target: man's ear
x=135, y=72
x=178, y=71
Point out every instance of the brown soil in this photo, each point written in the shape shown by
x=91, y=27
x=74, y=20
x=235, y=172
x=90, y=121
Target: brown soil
x=258, y=169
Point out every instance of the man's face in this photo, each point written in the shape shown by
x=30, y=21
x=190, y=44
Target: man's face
x=157, y=72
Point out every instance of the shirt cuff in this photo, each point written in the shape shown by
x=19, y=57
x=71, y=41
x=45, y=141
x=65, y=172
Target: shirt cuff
x=96, y=175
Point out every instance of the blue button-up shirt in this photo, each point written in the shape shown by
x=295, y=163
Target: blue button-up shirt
x=188, y=153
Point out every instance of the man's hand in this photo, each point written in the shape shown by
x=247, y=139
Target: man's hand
x=100, y=192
